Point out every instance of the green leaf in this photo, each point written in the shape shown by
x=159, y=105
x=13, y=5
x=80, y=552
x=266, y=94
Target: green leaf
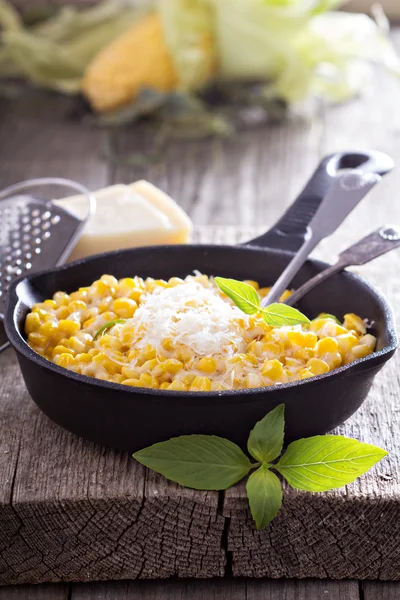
x=243, y=295
x=202, y=462
x=266, y=439
x=325, y=462
x=264, y=492
x=108, y=326
x=278, y=314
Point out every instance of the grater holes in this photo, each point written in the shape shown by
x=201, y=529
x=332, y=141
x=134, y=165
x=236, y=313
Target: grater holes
x=55, y=219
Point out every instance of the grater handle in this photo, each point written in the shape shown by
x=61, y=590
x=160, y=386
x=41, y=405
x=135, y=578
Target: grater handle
x=41, y=182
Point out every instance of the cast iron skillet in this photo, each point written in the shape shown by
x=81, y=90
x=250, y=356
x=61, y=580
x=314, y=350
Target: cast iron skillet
x=130, y=418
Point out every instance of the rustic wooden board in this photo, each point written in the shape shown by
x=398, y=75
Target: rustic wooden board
x=373, y=590
x=35, y=592
x=70, y=510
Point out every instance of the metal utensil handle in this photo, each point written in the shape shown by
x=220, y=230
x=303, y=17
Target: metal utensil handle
x=346, y=191
x=41, y=182
x=375, y=244
x=290, y=231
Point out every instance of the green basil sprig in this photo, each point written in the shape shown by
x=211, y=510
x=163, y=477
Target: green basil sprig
x=246, y=298
x=315, y=464
x=107, y=326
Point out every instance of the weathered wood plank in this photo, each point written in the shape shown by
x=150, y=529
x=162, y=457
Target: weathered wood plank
x=248, y=179
x=302, y=590
x=41, y=137
x=31, y=592
x=374, y=590
x=225, y=589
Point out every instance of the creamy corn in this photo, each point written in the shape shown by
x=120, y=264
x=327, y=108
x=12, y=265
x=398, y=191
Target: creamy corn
x=185, y=335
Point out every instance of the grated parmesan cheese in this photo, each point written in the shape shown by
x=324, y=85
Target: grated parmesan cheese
x=193, y=315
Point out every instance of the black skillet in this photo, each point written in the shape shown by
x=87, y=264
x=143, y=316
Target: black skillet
x=130, y=418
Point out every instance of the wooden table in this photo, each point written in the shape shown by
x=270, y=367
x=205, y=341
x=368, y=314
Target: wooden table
x=47, y=475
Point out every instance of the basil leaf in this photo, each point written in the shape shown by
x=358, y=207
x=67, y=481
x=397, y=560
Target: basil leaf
x=243, y=295
x=202, y=462
x=107, y=326
x=325, y=462
x=266, y=439
x=278, y=314
x=264, y=492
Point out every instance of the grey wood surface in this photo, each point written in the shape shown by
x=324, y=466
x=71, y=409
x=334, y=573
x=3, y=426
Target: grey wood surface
x=70, y=510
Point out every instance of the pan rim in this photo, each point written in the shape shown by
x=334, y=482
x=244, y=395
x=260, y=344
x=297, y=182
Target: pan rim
x=20, y=345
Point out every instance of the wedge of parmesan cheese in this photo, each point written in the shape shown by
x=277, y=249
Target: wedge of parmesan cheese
x=128, y=216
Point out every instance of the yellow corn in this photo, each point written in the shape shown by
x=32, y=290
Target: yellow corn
x=200, y=384
x=207, y=365
x=138, y=59
x=63, y=329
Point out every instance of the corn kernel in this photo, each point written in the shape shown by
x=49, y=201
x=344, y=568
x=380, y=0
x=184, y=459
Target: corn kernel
x=264, y=291
x=48, y=329
x=200, y=384
x=67, y=327
x=174, y=281
x=62, y=312
x=148, y=380
x=303, y=339
x=124, y=307
x=271, y=349
x=334, y=359
x=167, y=344
x=84, y=358
x=36, y=339
x=32, y=323
x=317, y=366
x=184, y=354
x=207, y=365
x=273, y=369
x=327, y=344
x=286, y=294
x=148, y=353
x=346, y=343
x=149, y=364
x=355, y=323
x=369, y=341
x=177, y=385
x=61, y=298
x=62, y=350
x=130, y=372
x=187, y=379
x=360, y=351
x=165, y=385
x=305, y=374
x=132, y=383
x=65, y=360
x=173, y=365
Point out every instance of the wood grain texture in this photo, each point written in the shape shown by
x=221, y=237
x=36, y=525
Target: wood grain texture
x=222, y=589
x=31, y=592
x=302, y=590
x=373, y=590
x=70, y=510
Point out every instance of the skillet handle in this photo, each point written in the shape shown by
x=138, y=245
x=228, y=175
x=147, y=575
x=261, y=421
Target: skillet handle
x=289, y=232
